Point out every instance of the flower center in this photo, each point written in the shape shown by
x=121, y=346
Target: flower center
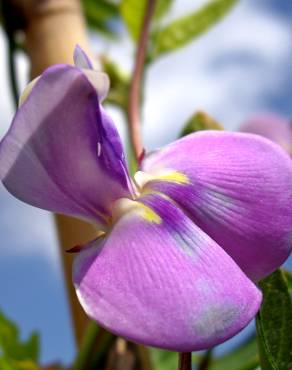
x=125, y=205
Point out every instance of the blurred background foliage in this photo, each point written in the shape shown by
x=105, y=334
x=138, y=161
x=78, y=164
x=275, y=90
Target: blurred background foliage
x=270, y=348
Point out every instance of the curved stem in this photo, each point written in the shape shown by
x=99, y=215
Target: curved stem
x=135, y=86
x=185, y=361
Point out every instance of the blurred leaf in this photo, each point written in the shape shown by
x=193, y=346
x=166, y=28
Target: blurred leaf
x=288, y=276
x=132, y=12
x=9, y=364
x=118, y=93
x=244, y=357
x=5, y=365
x=274, y=324
x=164, y=360
x=100, y=14
x=185, y=29
x=200, y=121
x=205, y=359
x=20, y=354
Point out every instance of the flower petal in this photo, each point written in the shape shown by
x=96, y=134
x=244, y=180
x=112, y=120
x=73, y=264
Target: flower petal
x=273, y=127
x=159, y=280
x=237, y=188
x=98, y=79
x=62, y=152
x=81, y=59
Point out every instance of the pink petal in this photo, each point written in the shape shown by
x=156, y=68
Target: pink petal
x=159, y=280
x=62, y=152
x=273, y=127
x=238, y=189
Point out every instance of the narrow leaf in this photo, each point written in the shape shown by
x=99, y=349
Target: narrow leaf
x=274, y=323
x=183, y=30
x=132, y=12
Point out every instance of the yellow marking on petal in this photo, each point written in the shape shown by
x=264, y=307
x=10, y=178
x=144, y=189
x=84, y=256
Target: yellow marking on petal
x=26, y=92
x=142, y=178
x=149, y=191
x=125, y=205
x=175, y=176
x=148, y=214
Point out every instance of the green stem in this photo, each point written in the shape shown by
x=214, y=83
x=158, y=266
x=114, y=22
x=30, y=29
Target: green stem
x=93, y=347
x=85, y=352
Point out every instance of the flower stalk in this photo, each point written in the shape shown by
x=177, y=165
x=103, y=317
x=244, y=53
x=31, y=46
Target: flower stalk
x=185, y=361
x=134, y=114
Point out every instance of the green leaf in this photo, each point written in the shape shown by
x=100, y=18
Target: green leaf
x=288, y=276
x=244, y=357
x=164, y=360
x=274, y=324
x=98, y=15
x=132, y=12
x=184, y=30
x=12, y=349
x=120, y=81
x=5, y=364
x=200, y=121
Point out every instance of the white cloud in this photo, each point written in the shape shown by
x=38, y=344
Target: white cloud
x=193, y=78
x=26, y=230
x=226, y=72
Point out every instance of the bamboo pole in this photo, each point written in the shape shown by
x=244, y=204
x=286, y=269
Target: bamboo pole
x=52, y=29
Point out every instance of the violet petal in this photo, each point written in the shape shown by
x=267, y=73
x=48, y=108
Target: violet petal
x=159, y=280
x=62, y=152
x=237, y=188
x=273, y=127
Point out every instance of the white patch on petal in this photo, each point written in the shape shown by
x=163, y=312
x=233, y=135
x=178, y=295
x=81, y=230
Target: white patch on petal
x=141, y=178
x=83, y=303
x=122, y=206
x=99, y=80
x=26, y=92
x=203, y=286
x=81, y=60
x=125, y=205
x=98, y=149
x=213, y=320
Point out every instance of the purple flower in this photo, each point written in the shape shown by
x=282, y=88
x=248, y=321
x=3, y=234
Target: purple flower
x=273, y=127
x=183, y=243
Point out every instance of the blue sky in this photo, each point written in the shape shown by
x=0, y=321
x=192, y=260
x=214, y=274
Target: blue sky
x=241, y=67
